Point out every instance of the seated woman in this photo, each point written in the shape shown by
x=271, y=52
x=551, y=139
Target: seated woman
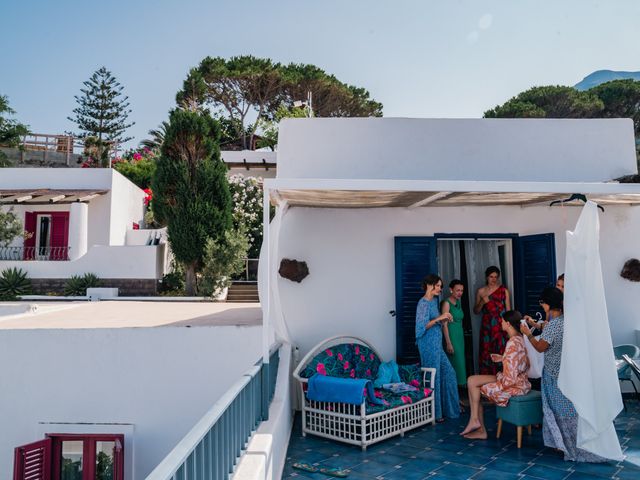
x=511, y=382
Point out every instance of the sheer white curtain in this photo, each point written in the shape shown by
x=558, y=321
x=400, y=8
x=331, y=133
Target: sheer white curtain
x=479, y=254
x=448, y=263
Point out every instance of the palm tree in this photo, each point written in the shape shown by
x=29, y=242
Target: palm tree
x=157, y=137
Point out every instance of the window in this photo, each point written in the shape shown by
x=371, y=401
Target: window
x=72, y=457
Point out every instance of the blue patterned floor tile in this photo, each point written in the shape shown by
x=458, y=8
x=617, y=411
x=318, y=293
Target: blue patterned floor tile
x=372, y=468
x=601, y=469
x=406, y=474
x=489, y=474
x=547, y=473
x=582, y=476
x=457, y=471
x=553, y=460
x=507, y=466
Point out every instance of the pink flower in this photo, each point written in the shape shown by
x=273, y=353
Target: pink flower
x=329, y=353
x=352, y=374
x=378, y=394
x=427, y=392
x=414, y=383
x=368, y=372
x=386, y=403
x=405, y=399
x=362, y=359
x=371, y=356
x=346, y=365
x=137, y=157
x=340, y=357
x=320, y=369
x=357, y=350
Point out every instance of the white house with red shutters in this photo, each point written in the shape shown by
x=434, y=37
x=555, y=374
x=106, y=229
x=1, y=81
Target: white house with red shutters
x=79, y=221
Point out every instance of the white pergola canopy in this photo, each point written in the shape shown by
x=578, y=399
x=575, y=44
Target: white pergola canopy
x=320, y=193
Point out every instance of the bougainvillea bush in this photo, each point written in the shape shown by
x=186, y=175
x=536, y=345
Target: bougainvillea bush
x=246, y=193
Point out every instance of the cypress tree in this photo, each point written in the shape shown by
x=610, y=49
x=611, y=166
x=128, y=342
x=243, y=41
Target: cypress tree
x=190, y=189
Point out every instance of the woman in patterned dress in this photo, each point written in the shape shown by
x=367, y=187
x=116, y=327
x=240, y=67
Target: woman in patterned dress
x=492, y=300
x=499, y=388
x=560, y=423
x=429, y=339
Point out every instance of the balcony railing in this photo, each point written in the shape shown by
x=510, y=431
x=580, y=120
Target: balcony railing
x=34, y=253
x=250, y=272
x=212, y=447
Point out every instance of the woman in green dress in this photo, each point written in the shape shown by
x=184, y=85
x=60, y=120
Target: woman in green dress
x=453, y=332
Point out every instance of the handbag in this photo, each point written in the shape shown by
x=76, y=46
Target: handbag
x=536, y=359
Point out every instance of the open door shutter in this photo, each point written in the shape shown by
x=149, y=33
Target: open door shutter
x=30, y=242
x=33, y=461
x=59, y=235
x=415, y=258
x=537, y=265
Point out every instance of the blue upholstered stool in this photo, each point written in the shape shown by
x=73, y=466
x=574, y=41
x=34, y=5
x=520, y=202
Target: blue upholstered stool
x=522, y=411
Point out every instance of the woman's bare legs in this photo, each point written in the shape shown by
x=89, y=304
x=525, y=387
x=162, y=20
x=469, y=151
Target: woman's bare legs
x=473, y=385
x=480, y=433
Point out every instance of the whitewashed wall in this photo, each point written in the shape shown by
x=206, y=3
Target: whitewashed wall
x=350, y=254
x=457, y=149
x=143, y=262
x=127, y=207
x=159, y=381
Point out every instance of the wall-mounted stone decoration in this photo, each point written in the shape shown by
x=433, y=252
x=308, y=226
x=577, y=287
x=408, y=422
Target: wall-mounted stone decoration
x=293, y=270
x=631, y=270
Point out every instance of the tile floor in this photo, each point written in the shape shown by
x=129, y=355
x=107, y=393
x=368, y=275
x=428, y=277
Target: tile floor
x=438, y=452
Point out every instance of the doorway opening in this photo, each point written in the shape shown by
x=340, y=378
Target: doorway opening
x=466, y=259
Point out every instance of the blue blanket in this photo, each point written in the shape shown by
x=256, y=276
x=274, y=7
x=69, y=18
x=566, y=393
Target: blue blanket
x=346, y=390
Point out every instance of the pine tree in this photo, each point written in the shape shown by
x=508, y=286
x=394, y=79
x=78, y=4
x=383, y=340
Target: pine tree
x=102, y=110
x=190, y=189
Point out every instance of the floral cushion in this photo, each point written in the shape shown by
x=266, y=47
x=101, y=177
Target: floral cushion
x=365, y=361
x=392, y=400
x=336, y=361
x=411, y=374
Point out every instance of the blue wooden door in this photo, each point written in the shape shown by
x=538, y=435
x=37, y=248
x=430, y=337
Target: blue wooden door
x=415, y=258
x=536, y=269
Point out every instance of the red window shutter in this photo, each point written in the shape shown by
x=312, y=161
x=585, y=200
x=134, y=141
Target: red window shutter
x=59, y=235
x=33, y=461
x=30, y=243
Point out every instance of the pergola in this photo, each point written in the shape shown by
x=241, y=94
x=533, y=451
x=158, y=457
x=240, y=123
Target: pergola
x=47, y=196
x=411, y=194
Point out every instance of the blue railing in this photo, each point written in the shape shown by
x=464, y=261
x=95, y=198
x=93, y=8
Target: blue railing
x=212, y=447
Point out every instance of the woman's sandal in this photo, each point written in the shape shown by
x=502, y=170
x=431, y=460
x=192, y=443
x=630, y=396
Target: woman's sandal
x=332, y=472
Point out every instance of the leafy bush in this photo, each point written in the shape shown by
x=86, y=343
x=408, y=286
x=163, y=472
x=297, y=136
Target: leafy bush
x=13, y=283
x=173, y=282
x=77, y=285
x=222, y=261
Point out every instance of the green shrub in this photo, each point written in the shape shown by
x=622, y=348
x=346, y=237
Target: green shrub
x=222, y=260
x=13, y=283
x=77, y=285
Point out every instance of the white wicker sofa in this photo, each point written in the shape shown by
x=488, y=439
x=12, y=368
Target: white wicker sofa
x=353, y=423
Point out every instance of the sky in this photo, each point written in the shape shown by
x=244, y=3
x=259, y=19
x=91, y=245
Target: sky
x=420, y=58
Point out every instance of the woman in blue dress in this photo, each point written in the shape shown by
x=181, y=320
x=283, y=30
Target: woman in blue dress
x=429, y=340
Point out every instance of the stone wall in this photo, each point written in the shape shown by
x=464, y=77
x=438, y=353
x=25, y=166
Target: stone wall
x=127, y=287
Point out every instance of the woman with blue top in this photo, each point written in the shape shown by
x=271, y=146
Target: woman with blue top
x=429, y=339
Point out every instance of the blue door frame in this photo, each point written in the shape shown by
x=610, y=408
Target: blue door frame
x=533, y=256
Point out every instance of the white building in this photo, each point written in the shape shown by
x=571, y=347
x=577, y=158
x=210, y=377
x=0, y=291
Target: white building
x=81, y=221
x=373, y=205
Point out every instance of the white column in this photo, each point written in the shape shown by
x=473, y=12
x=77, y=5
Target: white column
x=266, y=264
x=78, y=230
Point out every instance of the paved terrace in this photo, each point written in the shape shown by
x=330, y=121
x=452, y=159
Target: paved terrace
x=128, y=314
x=439, y=452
